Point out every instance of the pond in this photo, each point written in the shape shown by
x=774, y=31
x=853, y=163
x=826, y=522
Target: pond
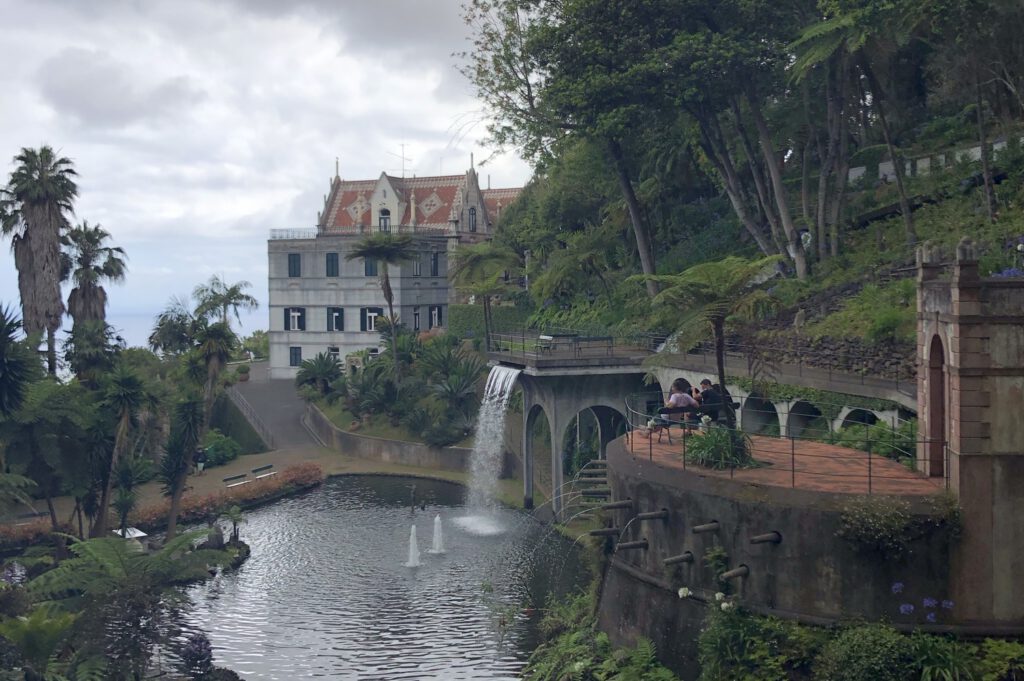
x=326, y=592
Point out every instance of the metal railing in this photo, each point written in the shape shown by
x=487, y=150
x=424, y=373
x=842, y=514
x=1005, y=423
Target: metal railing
x=560, y=343
x=279, y=234
x=251, y=416
x=877, y=462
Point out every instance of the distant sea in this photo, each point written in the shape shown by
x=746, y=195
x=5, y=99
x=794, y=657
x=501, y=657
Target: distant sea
x=135, y=327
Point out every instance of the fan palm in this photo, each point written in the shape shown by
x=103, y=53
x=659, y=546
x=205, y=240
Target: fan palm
x=33, y=208
x=175, y=329
x=387, y=250
x=319, y=371
x=125, y=394
x=217, y=298
x=18, y=364
x=90, y=263
x=478, y=270
x=709, y=294
x=215, y=343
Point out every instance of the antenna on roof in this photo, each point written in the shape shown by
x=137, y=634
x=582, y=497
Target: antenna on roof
x=488, y=180
x=402, y=157
x=336, y=166
x=471, y=160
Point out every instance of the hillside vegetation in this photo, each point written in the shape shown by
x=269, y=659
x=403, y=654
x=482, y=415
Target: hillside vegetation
x=667, y=133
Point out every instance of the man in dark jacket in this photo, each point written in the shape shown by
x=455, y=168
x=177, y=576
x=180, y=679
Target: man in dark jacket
x=711, y=402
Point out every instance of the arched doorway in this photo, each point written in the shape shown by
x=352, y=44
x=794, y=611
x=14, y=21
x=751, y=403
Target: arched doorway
x=935, y=446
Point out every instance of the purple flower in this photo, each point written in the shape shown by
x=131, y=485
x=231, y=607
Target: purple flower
x=897, y=587
x=930, y=602
x=906, y=609
x=930, y=617
x=947, y=605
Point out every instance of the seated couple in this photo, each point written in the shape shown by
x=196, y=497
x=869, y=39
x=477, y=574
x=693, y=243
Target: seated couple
x=688, y=406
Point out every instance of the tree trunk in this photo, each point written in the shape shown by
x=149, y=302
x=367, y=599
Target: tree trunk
x=842, y=171
x=755, y=173
x=487, y=323
x=644, y=247
x=176, y=494
x=986, y=166
x=897, y=160
x=779, y=189
x=718, y=328
x=99, y=527
x=51, y=351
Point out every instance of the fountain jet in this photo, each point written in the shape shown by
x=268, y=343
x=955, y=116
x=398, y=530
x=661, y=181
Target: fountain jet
x=414, y=550
x=438, y=546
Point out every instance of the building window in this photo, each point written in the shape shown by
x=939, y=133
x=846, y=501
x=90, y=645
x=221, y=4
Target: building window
x=384, y=220
x=294, y=265
x=335, y=319
x=294, y=356
x=472, y=219
x=295, y=319
x=334, y=352
x=417, y=266
x=370, y=267
x=415, y=319
x=368, y=318
x=332, y=264
x=435, y=264
x=435, y=316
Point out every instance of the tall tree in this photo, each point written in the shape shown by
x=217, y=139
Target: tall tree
x=175, y=329
x=218, y=298
x=33, y=212
x=90, y=263
x=187, y=427
x=386, y=250
x=712, y=293
x=18, y=364
x=125, y=394
x=478, y=269
x=214, y=345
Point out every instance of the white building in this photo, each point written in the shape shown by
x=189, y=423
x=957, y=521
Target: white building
x=321, y=302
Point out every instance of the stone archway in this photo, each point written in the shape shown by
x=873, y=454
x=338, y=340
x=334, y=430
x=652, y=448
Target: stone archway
x=534, y=475
x=758, y=415
x=935, y=445
x=802, y=419
x=857, y=417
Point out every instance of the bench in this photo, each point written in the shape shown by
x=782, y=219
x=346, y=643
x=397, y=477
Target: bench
x=263, y=471
x=545, y=344
x=586, y=342
x=236, y=480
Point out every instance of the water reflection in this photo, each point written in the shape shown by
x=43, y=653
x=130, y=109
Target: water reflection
x=326, y=593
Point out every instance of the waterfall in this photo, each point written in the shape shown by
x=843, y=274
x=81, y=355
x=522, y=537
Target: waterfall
x=489, y=439
x=414, y=550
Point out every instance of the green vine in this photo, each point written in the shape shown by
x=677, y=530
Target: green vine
x=717, y=560
x=886, y=526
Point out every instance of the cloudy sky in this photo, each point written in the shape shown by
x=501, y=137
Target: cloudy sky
x=197, y=126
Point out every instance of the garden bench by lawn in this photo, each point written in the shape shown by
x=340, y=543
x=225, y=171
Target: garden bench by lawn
x=264, y=471
x=236, y=480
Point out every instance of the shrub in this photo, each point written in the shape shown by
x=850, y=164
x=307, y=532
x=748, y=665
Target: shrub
x=1001, y=660
x=719, y=449
x=197, y=656
x=220, y=448
x=243, y=369
x=877, y=524
x=870, y=651
x=940, y=658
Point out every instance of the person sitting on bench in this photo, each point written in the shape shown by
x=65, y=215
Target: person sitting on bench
x=679, y=402
x=711, y=400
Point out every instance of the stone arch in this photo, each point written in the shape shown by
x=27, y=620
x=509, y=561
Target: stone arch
x=759, y=415
x=803, y=414
x=536, y=474
x=855, y=416
x=937, y=395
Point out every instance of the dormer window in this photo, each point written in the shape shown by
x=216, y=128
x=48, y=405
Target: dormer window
x=384, y=220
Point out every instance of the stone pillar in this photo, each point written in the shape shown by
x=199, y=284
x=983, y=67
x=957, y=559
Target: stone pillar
x=527, y=459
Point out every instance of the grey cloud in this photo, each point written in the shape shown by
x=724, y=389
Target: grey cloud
x=100, y=91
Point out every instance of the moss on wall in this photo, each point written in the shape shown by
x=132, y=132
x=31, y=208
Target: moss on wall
x=231, y=422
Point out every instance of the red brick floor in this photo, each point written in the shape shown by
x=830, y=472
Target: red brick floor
x=818, y=466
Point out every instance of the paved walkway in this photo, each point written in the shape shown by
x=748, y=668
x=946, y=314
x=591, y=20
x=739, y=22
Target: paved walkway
x=278, y=406
x=818, y=466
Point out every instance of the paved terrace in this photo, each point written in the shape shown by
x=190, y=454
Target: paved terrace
x=804, y=464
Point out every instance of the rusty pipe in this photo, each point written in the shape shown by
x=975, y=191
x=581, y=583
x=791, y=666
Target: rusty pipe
x=612, y=505
x=606, y=532
x=773, y=537
x=741, y=571
x=642, y=544
x=713, y=526
x=684, y=557
x=653, y=515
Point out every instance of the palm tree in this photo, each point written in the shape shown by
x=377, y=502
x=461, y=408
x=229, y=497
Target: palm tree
x=33, y=205
x=478, y=270
x=18, y=364
x=175, y=329
x=186, y=432
x=319, y=371
x=91, y=349
x=125, y=394
x=215, y=343
x=709, y=295
x=235, y=516
x=386, y=250
x=217, y=298
x=89, y=263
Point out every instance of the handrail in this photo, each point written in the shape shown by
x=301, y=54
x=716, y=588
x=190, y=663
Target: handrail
x=251, y=416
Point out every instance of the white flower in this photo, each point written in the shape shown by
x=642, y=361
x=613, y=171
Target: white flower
x=684, y=592
x=719, y=596
x=726, y=606
x=651, y=423
x=705, y=419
